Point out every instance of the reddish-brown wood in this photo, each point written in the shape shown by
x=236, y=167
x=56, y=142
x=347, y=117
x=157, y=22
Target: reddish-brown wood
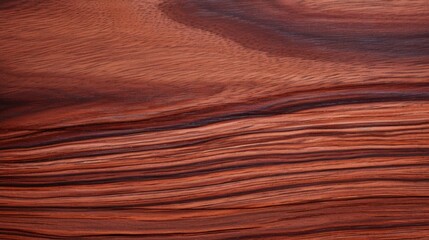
x=202, y=119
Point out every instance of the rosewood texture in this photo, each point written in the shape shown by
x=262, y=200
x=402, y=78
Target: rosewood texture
x=214, y=119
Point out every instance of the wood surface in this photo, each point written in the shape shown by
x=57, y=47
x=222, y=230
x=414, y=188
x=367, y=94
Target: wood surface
x=214, y=119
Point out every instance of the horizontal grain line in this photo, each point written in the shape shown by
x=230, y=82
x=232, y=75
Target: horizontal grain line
x=195, y=142
x=190, y=174
x=335, y=229
x=21, y=232
x=137, y=207
x=282, y=187
x=373, y=152
x=157, y=202
x=278, y=109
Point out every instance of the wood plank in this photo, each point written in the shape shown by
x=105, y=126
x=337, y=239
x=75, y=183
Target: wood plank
x=202, y=119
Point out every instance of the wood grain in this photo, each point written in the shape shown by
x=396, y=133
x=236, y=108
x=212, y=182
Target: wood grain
x=227, y=119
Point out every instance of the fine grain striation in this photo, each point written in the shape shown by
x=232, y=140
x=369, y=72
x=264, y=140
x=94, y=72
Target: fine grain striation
x=214, y=119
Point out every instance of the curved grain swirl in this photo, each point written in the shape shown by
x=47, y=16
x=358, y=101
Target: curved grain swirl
x=329, y=29
x=188, y=119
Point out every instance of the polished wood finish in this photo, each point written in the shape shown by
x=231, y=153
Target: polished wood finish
x=202, y=119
